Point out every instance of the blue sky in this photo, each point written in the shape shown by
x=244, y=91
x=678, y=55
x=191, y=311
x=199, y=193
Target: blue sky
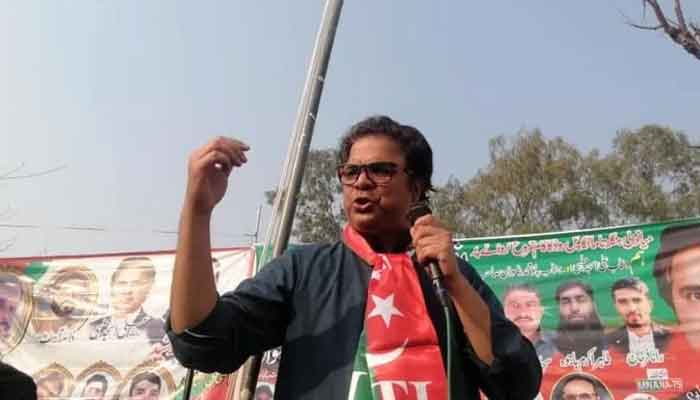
x=121, y=91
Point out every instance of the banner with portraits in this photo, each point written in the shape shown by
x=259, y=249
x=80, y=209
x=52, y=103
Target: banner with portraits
x=613, y=313
x=93, y=327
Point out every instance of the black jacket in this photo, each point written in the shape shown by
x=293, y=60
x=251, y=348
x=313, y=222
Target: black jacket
x=15, y=384
x=619, y=340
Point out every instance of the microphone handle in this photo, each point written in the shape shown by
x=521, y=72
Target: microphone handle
x=436, y=276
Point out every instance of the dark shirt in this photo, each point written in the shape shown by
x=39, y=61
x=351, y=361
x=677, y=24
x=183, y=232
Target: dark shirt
x=620, y=341
x=545, y=346
x=312, y=301
x=15, y=384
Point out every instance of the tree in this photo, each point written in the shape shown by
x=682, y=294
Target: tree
x=684, y=33
x=651, y=175
x=531, y=184
x=319, y=216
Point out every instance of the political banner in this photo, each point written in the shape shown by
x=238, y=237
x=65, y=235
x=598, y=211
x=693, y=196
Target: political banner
x=93, y=327
x=613, y=313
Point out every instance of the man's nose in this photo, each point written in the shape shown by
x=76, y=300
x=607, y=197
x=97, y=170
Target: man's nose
x=363, y=180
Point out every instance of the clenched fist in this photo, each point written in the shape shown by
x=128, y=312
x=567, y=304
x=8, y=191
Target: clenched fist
x=208, y=170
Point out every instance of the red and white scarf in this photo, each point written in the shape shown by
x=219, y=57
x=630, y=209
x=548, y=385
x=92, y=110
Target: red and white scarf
x=402, y=351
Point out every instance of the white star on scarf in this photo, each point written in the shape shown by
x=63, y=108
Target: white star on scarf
x=384, y=308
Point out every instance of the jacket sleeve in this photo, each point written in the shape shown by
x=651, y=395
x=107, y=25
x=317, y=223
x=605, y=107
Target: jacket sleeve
x=515, y=373
x=249, y=320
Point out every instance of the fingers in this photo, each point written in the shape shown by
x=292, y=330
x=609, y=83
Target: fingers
x=427, y=226
x=222, y=153
x=431, y=240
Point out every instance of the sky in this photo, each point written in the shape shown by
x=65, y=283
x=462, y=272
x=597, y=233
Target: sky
x=116, y=94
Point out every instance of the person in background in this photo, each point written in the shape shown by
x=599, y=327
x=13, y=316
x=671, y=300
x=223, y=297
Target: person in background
x=523, y=306
x=580, y=328
x=639, y=334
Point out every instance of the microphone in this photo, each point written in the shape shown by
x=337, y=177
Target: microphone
x=415, y=211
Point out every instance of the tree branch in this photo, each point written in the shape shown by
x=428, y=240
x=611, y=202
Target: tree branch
x=645, y=27
x=676, y=30
x=679, y=14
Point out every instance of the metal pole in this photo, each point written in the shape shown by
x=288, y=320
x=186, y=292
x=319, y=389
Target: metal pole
x=306, y=116
x=299, y=149
x=257, y=224
x=188, y=384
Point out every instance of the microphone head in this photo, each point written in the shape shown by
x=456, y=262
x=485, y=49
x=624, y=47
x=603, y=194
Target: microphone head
x=417, y=210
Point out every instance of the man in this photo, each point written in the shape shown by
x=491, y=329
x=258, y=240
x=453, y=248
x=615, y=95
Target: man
x=131, y=283
x=95, y=388
x=579, y=386
x=677, y=273
x=580, y=328
x=65, y=304
x=523, y=306
x=50, y=386
x=10, y=298
x=639, y=334
x=145, y=386
x=353, y=309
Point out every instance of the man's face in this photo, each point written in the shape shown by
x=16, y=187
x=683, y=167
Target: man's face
x=685, y=293
x=48, y=389
x=576, y=306
x=579, y=389
x=633, y=306
x=71, y=298
x=524, y=309
x=145, y=390
x=373, y=208
x=94, y=391
x=10, y=295
x=130, y=289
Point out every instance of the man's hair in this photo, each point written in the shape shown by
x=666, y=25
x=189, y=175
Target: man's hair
x=97, y=378
x=630, y=282
x=263, y=389
x=144, y=376
x=573, y=284
x=143, y=264
x=525, y=287
x=415, y=148
x=673, y=240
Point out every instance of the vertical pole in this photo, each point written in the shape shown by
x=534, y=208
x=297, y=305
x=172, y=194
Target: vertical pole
x=296, y=158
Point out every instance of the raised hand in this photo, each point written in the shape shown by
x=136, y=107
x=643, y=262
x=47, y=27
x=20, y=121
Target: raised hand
x=208, y=170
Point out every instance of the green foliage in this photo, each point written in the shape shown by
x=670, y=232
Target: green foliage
x=319, y=216
x=535, y=184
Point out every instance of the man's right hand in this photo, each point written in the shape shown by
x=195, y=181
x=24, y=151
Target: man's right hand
x=208, y=170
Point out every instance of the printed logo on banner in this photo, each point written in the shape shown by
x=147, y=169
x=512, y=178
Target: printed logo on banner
x=660, y=385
